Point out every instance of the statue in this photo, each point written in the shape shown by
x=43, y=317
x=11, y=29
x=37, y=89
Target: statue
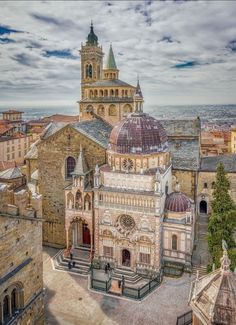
x=224, y=245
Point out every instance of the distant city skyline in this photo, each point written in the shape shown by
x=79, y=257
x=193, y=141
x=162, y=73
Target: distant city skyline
x=184, y=52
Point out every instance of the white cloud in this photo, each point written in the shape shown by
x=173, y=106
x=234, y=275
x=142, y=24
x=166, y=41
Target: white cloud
x=197, y=31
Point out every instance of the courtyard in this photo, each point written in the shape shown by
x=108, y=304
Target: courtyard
x=69, y=301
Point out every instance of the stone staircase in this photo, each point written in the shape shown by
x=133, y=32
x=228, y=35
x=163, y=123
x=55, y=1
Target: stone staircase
x=202, y=270
x=130, y=276
x=80, y=257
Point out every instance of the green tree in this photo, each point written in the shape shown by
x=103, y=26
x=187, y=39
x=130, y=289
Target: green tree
x=222, y=221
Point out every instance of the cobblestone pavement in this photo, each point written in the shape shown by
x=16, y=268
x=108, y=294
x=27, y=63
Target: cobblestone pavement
x=68, y=301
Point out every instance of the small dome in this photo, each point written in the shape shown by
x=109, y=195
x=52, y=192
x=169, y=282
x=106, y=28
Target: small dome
x=139, y=133
x=92, y=39
x=177, y=202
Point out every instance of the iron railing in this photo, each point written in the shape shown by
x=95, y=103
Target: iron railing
x=185, y=319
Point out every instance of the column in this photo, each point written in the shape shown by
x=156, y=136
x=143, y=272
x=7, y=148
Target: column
x=9, y=306
x=73, y=236
x=67, y=238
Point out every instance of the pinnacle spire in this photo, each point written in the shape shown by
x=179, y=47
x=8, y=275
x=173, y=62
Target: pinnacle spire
x=81, y=167
x=111, y=63
x=138, y=98
x=138, y=91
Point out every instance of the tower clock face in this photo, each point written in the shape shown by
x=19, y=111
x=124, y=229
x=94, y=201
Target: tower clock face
x=128, y=164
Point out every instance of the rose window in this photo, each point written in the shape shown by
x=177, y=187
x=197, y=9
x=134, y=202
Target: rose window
x=125, y=224
x=127, y=221
x=128, y=164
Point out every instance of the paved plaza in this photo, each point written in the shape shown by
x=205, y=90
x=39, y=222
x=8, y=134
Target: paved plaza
x=68, y=301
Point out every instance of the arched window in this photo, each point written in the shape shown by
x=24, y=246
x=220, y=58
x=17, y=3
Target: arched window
x=105, y=92
x=95, y=93
x=89, y=109
x=13, y=301
x=117, y=92
x=101, y=93
x=174, y=242
x=127, y=109
x=70, y=200
x=112, y=110
x=89, y=71
x=111, y=92
x=101, y=110
x=70, y=166
x=213, y=185
x=6, y=309
x=78, y=200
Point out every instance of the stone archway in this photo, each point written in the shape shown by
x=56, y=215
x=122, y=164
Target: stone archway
x=203, y=207
x=81, y=233
x=126, y=257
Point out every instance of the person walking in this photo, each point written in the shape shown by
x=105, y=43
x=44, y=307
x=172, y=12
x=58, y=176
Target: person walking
x=73, y=263
x=106, y=268
x=123, y=280
x=69, y=265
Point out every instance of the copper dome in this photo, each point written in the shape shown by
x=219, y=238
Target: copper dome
x=177, y=202
x=139, y=133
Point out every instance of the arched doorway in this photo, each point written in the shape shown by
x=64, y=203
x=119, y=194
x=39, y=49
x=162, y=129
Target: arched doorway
x=203, y=207
x=86, y=234
x=126, y=257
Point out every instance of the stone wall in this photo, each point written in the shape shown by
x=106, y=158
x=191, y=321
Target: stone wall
x=52, y=154
x=205, y=187
x=21, y=247
x=187, y=180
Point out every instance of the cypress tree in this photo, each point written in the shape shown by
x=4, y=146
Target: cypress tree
x=223, y=218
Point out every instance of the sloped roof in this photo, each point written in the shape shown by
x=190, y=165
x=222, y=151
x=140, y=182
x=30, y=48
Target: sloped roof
x=96, y=129
x=181, y=127
x=11, y=173
x=184, y=153
x=213, y=297
x=210, y=163
x=108, y=83
x=33, y=152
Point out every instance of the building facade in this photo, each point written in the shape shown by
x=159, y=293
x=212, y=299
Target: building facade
x=14, y=147
x=233, y=140
x=125, y=211
x=21, y=274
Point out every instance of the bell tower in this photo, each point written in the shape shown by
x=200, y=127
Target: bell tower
x=91, y=60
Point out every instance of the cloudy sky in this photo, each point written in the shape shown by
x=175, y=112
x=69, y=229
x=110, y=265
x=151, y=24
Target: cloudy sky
x=183, y=51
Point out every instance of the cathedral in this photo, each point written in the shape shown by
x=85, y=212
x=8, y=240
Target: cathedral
x=113, y=182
